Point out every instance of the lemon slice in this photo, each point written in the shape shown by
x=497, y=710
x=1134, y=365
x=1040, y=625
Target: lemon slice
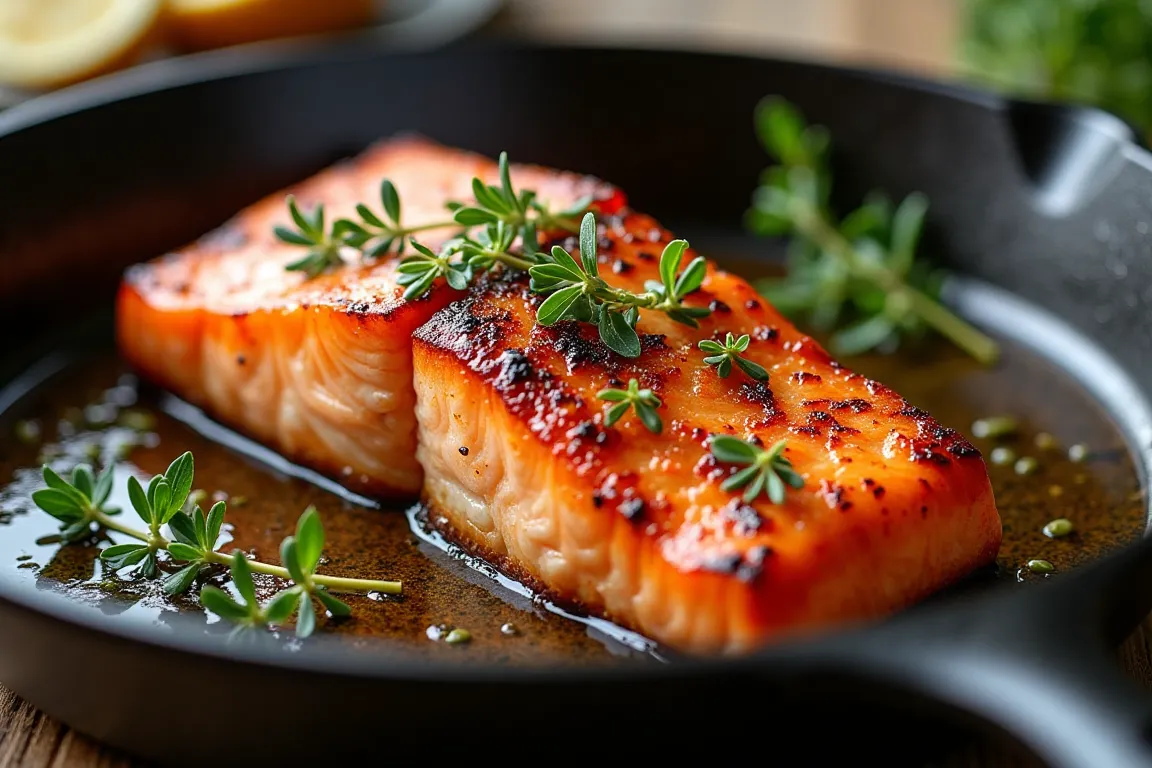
x=202, y=24
x=47, y=43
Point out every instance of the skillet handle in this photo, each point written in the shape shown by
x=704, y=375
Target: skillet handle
x=1082, y=713
x=1043, y=673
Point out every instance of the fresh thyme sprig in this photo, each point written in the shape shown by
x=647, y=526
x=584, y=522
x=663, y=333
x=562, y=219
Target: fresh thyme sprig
x=643, y=401
x=301, y=555
x=577, y=292
x=860, y=273
x=323, y=246
x=500, y=214
x=766, y=470
x=502, y=227
x=81, y=504
x=724, y=355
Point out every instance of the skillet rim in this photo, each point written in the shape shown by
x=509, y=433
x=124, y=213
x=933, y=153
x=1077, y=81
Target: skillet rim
x=337, y=659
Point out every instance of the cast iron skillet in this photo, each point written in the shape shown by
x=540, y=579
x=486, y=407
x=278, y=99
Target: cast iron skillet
x=1040, y=201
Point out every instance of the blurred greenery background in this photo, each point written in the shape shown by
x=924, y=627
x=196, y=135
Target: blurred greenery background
x=1090, y=51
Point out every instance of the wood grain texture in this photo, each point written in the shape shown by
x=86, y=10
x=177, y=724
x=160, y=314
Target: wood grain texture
x=31, y=739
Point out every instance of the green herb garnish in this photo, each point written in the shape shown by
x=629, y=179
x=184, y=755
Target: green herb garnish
x=724, y=355
x=193, y=541
x=643, y=401
x=858, y=275
x=458, y=636
x=501, y=228
x=766, y=471
x=500, y=214
x=577, y=292
x=1058, y=528
x=1041, y=566
x=323, y=247
x=995, y=427
x=1096, y=52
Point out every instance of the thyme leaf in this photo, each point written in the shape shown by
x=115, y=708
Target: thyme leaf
x=643, y=401
x=723, y=355
x=765, y=470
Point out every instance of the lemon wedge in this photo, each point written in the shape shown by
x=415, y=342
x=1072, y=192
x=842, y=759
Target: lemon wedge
x=202, y=24
x=48, y=43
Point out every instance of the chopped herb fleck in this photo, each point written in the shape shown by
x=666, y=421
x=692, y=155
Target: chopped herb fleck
x=458, y=636
x=28, y=431
x=137, y=420
x=1059, y=528
x=995, y=427
x=1002, y=455
x=1040, y=566
x=1026, y=465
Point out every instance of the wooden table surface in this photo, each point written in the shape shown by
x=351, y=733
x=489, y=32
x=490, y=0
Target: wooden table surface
x=31, y=739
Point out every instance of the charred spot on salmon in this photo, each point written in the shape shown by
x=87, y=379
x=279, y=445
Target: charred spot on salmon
x=832, y=493
x=766, y=333
x=515, y=368
x=631, y=509
x=745, y=519
x=752, y=305
x=913, y=412
x=621, y=267
x=804, y=377
x=463, y=450
x=759, y=393
x=241, y=360
x=576, y=344
x=646, y=256
x=752, y=563
x=719, y=307
x=726, y=564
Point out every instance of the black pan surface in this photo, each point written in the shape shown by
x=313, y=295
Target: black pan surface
x=1046, y=209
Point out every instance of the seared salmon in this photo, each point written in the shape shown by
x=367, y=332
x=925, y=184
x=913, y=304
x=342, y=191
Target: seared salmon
x=463, y=395
x=319, y=369
x=633, y=526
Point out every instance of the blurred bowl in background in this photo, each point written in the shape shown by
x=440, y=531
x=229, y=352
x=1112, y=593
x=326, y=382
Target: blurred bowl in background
x=48, y=44
x=197, y=25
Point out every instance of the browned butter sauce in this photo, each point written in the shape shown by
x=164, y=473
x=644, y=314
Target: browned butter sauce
x=1100, y=495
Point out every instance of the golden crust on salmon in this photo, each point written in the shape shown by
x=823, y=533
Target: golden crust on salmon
x=319, y=369
x=630, y=525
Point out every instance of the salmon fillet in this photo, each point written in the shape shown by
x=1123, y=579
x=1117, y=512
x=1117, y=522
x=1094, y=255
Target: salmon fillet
x=320, y=369
x=495, y=418
x=633, y=526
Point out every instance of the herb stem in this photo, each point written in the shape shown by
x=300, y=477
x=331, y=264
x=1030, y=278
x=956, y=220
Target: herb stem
x=511, y=261
x=816, y=227
x=104, y=521
x=334, y=583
